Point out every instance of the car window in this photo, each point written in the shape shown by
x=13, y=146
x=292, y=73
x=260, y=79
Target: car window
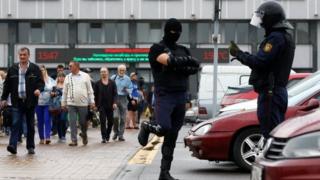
x=304, y=84
x=292, y=82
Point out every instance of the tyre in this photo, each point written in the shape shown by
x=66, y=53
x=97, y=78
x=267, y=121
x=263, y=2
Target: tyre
x=247, y=146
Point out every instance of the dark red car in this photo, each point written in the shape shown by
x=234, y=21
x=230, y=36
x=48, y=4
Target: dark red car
x=236, y=136
x=244, y=93
x=292, y=152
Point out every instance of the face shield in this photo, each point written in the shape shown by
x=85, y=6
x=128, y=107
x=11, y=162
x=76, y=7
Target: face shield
x=256, y=19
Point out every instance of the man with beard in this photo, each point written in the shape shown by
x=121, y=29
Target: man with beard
x=171, y=66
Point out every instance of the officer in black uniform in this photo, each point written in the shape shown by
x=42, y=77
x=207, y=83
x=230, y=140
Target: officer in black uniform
x=171, y=65
x=271, y=65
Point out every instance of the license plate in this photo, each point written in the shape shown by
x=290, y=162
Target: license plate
x=256, y=173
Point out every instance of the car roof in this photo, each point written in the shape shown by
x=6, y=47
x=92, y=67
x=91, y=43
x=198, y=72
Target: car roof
x=298, y=75
x=296, y=94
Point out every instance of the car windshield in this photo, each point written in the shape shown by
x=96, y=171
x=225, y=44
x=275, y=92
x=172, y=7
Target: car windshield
x=304, y=84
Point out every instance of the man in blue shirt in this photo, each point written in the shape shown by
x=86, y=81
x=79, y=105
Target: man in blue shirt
x=124, y=88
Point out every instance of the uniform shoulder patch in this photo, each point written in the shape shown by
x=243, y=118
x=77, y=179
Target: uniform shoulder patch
x=267, y=47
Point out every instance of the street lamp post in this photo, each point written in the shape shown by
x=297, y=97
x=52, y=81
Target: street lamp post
x=215, y=55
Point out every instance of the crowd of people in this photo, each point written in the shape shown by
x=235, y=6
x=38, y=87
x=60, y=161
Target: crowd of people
x=67, y=101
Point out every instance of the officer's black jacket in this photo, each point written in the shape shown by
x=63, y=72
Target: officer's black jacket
x=166, y=78
x=275, y=56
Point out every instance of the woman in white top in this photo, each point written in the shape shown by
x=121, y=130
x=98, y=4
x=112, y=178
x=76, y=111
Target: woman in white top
x=42, y=110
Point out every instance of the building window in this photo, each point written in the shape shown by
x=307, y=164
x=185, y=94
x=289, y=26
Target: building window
x=38, y=32
x=95, y=33
x=184, y=38
x=238, y=32
x=242, y=33
x=302, y=33
x=153, y=32
x=50, y=32
x=204, y=32
x=149, y=32
x=116, y=32
x=63, y=33
x=103, y=33
x=83, y=29
x=3, y=32
x=228, y=31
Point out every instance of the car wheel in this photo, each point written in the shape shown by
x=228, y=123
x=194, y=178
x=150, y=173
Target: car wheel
x=247, y=146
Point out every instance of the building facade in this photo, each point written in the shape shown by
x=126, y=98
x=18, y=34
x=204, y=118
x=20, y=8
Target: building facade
x=103, y=24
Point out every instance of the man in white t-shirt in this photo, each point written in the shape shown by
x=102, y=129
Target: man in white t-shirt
x=77, y=96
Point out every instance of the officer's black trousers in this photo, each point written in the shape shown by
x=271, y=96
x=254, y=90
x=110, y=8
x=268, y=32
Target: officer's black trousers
x=271, y=109
x=169, y=112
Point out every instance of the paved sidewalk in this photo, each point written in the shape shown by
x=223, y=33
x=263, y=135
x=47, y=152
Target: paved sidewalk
x=60, y=161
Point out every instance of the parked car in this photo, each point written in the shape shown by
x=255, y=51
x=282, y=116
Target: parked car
x=301, y=86
x=236, y=136
x=191, y=115
x=292, y=152
x=227, y=76
x=245, y=92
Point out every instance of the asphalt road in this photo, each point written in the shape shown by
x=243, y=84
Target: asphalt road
x=184, y=167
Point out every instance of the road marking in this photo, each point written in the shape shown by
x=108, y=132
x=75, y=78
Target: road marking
x=146, y=154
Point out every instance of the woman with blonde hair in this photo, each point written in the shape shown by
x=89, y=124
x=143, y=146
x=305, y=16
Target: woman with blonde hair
x=42, y=110
x=59, y=116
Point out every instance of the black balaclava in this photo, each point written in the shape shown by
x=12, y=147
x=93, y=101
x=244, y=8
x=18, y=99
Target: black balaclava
x=172, y=31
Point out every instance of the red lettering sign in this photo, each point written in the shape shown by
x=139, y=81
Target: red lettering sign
x=47, y=55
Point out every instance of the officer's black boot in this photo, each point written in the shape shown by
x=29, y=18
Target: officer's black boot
x=165, y=168
x=167, y=157
x=147, y=128
x=165, y=175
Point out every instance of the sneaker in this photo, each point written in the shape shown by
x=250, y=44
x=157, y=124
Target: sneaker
x=12, y=149
x=107, y=138
x=121, y=139
x=103, y=141
x=84, y=139
x=48, y=141
x=73, y=144
x=114, y=137
x=31, y=151
x=53, y=133
x=2, y=134
x=62, y=140
x=41, y=141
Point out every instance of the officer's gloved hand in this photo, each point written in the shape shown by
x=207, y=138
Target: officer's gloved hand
x=188, y=70
x=194, y=62
x=182, y=61
x=234, y=49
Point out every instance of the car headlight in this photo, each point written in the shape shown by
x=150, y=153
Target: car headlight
x=307, y=145
x=202, y=130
